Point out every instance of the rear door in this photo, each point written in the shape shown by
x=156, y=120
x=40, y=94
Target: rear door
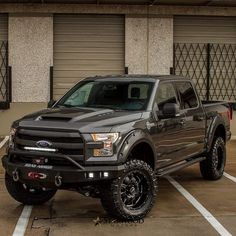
x=194, y=123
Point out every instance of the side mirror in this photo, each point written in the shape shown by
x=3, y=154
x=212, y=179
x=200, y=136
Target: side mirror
x=51, y=103
x=170, y=110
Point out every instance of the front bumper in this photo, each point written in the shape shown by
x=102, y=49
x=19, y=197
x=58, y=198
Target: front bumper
x=59, y=176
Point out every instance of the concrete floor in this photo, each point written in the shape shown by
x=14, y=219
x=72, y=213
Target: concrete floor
x=72, y=214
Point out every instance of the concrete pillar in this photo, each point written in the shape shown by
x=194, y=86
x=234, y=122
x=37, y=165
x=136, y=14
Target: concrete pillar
x=136, y=44
x=30, y=55
x=149, y=45
x=160, y=45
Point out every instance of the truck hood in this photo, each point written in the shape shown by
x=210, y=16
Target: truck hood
x=85, y=120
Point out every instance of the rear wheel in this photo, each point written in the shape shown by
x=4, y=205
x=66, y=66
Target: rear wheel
x=25, y=194
x=213, y=167
x=131, y=196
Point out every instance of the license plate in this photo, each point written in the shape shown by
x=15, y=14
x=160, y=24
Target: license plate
x=38, y=166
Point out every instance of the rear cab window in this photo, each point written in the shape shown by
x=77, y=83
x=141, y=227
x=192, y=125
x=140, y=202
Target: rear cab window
x=187, y=95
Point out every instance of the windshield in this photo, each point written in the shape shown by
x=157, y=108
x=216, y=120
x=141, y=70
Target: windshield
x=117, y=95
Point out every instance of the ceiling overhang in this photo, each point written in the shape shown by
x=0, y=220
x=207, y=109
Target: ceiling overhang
x=216, y=3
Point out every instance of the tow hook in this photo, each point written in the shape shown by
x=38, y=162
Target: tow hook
x=15, y=175
x=58, y=180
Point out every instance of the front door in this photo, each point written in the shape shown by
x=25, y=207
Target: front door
x=169, y=133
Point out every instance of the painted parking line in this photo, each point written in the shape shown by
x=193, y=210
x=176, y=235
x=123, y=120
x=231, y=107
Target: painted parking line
x=230, y=177
x=4, y=141
x=203, y=211
x=23, y=221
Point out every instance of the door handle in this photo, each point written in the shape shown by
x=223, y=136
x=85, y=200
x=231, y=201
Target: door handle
x=160, y=125
x=182, y=122
x=199, y=118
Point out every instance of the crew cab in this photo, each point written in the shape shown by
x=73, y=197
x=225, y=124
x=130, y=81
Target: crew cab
x=112, y=137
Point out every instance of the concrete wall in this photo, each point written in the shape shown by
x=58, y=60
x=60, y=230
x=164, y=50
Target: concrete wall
x=160, y=45
x=30, y=56
x=136, y=41
x=17, y=111
x=119, y=9
x=149, y=44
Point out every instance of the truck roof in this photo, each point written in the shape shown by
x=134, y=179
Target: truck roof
x=138, y=77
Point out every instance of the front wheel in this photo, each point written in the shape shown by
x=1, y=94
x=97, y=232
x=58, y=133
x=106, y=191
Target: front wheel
x=213, y=167
x=131, y=196
x=25, y=194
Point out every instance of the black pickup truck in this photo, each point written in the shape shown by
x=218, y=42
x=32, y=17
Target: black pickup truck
x=111, y=137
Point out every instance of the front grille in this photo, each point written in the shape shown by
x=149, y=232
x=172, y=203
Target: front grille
x=51, y=139
x=65, y=142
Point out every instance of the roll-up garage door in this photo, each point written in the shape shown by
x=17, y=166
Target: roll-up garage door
x=86, y=45
x=3, y=27
x=205, y=51
x=3, y=55
x=193, y=29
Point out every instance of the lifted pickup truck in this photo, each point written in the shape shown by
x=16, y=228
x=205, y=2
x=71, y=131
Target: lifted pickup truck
x=111, y=137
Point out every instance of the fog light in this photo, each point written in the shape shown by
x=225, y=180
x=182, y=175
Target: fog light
x=91, y=175
x=105, y=174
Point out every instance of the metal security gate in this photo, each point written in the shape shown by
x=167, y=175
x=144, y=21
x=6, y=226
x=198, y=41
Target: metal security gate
x=205, y=51
x=211, y=66
x=3, y=71
x=5, y=95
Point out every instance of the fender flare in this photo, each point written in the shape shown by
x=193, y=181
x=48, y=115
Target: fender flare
x=216, y=122
x=131, y=140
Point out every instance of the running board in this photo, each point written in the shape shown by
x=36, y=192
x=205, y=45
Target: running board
x=173, y=168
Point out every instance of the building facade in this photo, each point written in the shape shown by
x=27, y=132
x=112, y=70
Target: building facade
x=47, y=48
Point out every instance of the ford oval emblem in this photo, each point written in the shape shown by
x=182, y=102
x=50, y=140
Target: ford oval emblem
x=43, y=144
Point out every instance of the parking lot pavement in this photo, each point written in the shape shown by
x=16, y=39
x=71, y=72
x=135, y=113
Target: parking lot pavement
x=72, y=214
x=231, y=159
x=69, y=213
x=10, y=210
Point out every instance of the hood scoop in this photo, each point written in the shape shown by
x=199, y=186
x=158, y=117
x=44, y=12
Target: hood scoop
x=54, y=118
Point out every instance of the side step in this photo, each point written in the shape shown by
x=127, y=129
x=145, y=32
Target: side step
x=175, y=167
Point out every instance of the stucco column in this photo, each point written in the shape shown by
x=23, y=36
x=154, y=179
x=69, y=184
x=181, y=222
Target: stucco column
x=160, y=45
x=30, y=55
x=136, y=44
x=149, y=44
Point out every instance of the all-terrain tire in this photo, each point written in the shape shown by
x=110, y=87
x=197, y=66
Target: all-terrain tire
x=27, y=196
x=212, y=168
x=137, y=184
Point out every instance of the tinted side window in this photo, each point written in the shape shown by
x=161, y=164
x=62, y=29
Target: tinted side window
x=187, y=95
x=165, y=94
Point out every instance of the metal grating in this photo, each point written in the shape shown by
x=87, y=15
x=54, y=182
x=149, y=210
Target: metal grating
x=223, y=72
x=3, y=71
x=211, y=66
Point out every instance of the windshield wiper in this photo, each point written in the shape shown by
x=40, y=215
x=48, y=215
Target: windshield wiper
x=64, y=105
x=101, y=106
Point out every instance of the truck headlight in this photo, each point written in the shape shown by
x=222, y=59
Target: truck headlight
x=11, y=137
x=108, y=140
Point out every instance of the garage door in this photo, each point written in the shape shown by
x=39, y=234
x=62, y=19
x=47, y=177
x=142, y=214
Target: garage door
x=3, y=55
x=86, y=45
x=205, y=30
x=3, y=27
x=205, y=51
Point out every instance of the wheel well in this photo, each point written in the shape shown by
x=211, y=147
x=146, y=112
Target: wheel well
x=220, y=132
x=144, y=152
